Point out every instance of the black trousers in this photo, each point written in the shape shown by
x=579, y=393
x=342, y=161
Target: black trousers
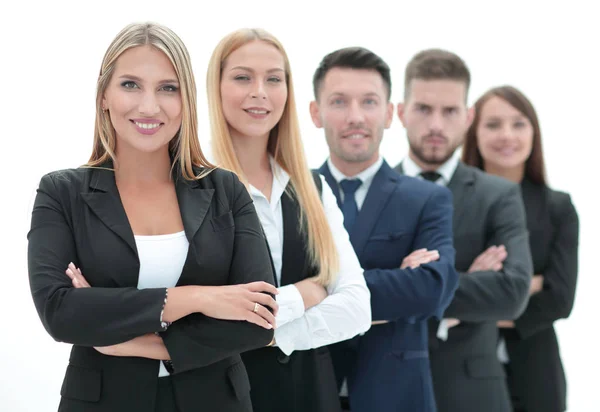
x=165, y=397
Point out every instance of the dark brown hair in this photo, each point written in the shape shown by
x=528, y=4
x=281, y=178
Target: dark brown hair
x=436, y=64
x=534, y=166
x=352, y=58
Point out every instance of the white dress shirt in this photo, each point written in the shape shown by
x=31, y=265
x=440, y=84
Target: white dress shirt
x=346, y=311
x=446, y=171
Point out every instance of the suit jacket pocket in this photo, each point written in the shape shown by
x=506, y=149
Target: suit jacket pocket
x=484, y=367
x=222, y=222
x=388, y=236
x=82, y=384
x=238, y=377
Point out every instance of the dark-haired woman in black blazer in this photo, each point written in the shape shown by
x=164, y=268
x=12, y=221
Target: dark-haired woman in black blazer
x=505, y=140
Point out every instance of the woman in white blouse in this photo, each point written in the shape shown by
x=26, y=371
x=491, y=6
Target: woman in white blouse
x=322, y=297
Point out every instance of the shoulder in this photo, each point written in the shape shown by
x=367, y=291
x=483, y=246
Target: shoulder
x=419, y=188
x=494, y=186
x=560, y=202
x=67, y=180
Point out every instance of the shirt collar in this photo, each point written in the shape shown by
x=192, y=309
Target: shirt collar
x=446, y=170
x=366, y=176
x=280, y=181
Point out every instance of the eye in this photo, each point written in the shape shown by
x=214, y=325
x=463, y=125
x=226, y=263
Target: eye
x=169, y=88
x=424, y=109
x=520, y=125
x=274, y=79
x=370, y=102
x=128, y=84
x=242, y=77
x=492, y=125
x=450, y=110
x=337, y=101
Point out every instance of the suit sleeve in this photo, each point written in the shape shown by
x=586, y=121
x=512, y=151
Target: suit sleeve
x=427, y=290
x=560, y=278
x=197, y=340
x=90, y=316
x=489, y=295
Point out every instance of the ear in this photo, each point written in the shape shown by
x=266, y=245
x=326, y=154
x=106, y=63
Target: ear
x=104, y=104
x=389, y=115
x=400, y=110
x=470, y=116
x=315, y=114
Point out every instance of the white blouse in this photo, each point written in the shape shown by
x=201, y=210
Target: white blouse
x=162, y=258
x=346, y=312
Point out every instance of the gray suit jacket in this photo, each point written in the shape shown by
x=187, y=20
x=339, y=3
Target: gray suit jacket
x=488, y=210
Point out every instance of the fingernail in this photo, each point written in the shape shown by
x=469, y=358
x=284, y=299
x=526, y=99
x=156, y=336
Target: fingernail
x=76, y=281
x=270, y=326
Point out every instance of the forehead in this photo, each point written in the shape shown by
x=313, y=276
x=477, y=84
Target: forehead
x=438, y=92
x=145, y=62
x=498, y=107
x=349, y=81
x=256, y=55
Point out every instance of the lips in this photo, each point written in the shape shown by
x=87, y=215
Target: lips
x=147, y=126
x=355, y=135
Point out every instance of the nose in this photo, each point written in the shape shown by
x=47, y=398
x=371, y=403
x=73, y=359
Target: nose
x=258, y=91
x=436, y=122
x=149, y=104
x=355, y=114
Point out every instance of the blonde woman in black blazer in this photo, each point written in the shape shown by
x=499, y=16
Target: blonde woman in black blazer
x=505, y=140
x=153, y=328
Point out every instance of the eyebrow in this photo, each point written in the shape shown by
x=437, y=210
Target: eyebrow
x=277, y=69
x=370, y=94
x=132, y=77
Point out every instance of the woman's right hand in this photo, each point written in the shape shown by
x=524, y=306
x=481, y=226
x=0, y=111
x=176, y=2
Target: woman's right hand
x=247, y=302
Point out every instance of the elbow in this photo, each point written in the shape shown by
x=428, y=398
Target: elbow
x=519, y=302
x=445, y=292
x=564, y=306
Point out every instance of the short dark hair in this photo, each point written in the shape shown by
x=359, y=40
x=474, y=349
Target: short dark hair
x=535, y=169
x=352, y=58
x=436, y=64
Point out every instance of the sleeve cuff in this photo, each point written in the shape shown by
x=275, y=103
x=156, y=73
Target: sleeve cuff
x=291, y=305
x=442, y=332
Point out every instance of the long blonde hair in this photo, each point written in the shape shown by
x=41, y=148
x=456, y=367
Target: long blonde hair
x=285, y=145
x=184, y=148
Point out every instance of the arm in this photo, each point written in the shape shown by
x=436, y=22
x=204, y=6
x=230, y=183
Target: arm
x=197, y=340
x=72, y=315
x=497, y=295
x=426, y=290
x=346, y=311
x=555, y=301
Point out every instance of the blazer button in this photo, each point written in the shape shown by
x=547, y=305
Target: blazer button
x=283, y=358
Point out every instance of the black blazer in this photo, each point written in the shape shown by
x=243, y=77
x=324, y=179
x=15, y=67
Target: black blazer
x=78, y=217
x=467, y=375
x=536, y=376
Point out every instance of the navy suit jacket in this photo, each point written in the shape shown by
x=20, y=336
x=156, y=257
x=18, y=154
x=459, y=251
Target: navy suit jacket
x=387, y=369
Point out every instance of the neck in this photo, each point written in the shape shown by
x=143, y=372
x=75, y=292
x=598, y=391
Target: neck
x=138, y=167
x=252, y=154
x=350, y=169
x=515, y=174
x=426, y=167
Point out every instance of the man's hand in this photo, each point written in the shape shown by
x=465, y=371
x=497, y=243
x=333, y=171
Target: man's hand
x=536, y=285
x=419, y=257
x=490, y=259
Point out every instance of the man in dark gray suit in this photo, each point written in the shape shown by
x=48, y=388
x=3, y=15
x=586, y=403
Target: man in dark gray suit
x=490, y=237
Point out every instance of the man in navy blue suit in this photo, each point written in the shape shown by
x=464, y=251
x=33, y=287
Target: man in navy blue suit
x=401, y=230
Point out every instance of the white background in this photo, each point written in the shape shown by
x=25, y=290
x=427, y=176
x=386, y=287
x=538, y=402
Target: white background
x=50, y=58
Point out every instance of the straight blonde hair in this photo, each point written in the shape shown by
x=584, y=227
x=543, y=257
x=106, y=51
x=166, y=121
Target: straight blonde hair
x=184, y=148
x=285, y=145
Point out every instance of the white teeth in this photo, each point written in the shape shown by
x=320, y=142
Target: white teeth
x=355, y=136
x=257, y=111
x=147, y=125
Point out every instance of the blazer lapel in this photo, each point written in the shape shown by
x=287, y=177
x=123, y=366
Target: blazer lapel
x=461, y=184
x=194, y=202
x=383, y=185
x=104, y=200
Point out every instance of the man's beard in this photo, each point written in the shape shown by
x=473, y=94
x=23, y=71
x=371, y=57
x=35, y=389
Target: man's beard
x=437, y=158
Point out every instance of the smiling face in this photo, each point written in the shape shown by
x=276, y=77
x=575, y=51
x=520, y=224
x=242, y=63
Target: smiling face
x=143, y=100
x=504, y=135
x=253, y=90
x=354, y=111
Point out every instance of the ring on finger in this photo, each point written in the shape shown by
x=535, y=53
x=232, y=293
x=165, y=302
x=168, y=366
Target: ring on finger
x=255, y=307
